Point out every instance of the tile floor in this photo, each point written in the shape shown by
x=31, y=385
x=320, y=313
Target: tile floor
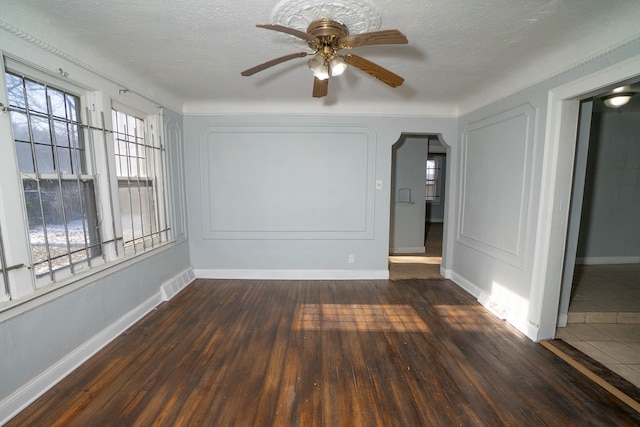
x=604, y=317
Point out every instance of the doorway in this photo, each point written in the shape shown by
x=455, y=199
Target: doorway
x=555, y=189
x=599, y=311
x=605, y=206
x=418, y=206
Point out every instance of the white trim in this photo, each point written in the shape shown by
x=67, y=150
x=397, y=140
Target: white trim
x=495, y=307
x=608, y=260
x=555, y=192
x=408, y=250
x=358, y=227
x=292, y=274
x=44, y=295
x=563, y=319
x=35, y=388
x=463, y=283
x=512, y=252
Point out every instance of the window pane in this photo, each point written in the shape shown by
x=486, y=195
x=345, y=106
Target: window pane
x=25, y=157
x=15, y=91
x=72, y=107
x=64, y=160
x=67, y=202
x=61, y=133
x=40, y=130
x=80, y=157
x=56, y=98
x=19, y=126
x=137, y=210
x=44, y=158
x=36, y=96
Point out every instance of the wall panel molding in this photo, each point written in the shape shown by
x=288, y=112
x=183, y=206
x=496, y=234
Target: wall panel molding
x=496, y=165
x=321, y=187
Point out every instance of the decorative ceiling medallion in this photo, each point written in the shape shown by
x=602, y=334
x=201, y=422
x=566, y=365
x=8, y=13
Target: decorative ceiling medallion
x=358, y=15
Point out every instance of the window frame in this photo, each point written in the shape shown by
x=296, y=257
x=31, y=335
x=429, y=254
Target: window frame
x=436, y=182
x=88, y=174
x=18, y=282
x=156, y=174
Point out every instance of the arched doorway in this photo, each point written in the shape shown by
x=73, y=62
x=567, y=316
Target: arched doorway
x=418, y=207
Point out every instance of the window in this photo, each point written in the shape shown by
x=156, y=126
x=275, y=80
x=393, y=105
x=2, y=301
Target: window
x=84, y=186
x=57, y=181
x=433, y=177
x=139, y=161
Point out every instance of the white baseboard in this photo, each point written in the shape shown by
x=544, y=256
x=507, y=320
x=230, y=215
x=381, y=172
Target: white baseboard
x=516, y=318
x=407, y=250
x=293, y=274
x=608, y=260
x=563, y=319
x=28, y=393
x=463, y=283
x=35, y=388
x=492, y=305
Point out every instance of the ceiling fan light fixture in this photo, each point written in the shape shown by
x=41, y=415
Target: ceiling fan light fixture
x=617, y=100
x=326, y=37
x=337, y=65
x=319, y=67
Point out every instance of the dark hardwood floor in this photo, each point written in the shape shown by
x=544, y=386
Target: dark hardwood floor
x=333, y=353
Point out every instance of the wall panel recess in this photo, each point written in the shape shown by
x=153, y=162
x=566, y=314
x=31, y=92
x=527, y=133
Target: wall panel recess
x=287, y=181
x=496, y=183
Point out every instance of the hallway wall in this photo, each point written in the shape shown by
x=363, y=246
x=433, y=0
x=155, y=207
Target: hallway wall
x=609, y=231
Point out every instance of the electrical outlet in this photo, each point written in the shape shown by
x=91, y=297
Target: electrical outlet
x=352, y=259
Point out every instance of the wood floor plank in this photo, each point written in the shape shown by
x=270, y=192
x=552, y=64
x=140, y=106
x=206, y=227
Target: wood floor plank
x=324, y=353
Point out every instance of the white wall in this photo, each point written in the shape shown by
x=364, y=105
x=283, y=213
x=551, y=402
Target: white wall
x=609, y=230
x=408, y=215
x=293, y=196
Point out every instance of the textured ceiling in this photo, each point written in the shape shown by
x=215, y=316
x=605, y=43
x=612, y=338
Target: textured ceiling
x=461, y=53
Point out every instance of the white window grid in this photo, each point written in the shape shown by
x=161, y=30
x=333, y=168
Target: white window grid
x=139, y=158
x=55, y=167
x=433, y=180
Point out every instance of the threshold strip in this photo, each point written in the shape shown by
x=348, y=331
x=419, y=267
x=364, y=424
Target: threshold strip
x=549, y=345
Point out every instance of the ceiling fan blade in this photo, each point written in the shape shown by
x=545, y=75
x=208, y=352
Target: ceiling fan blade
x=287, y=30
x=320, y=87
x=376, y=37
x=271, y=63
x=375, y=70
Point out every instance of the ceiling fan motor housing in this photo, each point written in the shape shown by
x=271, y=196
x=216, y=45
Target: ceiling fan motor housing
x=327, y=32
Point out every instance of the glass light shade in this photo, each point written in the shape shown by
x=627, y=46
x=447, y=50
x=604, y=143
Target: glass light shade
x=617, y=100
x=319, y=67
x=337, y=65
x=621, y=89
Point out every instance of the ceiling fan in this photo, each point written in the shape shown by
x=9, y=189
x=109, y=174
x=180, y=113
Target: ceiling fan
x=326, y=37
